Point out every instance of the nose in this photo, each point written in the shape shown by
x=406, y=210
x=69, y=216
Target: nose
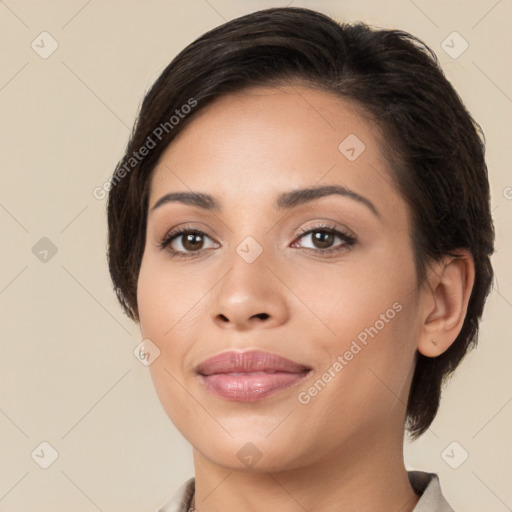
x=249, y=296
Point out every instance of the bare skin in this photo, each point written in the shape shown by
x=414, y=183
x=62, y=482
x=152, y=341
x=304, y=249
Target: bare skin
x=341, y=449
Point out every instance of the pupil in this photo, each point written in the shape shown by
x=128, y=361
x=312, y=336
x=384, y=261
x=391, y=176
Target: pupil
x=324, y=238
x=192, y=240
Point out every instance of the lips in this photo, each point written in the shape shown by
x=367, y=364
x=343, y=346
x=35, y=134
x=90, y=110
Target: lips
x=249, y=376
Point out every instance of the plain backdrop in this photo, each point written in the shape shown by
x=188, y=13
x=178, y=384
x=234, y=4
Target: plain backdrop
x=68, y=374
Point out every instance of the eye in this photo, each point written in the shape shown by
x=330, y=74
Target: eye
x=184, y=241
x=189, y=242
x=322, y=239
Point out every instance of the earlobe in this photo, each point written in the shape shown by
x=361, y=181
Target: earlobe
x=445, y=302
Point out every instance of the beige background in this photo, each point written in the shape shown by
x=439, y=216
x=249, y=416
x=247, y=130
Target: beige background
x=68, y=375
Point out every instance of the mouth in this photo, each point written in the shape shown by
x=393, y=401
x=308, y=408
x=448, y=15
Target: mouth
x=249, y=376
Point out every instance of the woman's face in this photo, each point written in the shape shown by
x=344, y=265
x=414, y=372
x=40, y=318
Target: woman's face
x=325, y=281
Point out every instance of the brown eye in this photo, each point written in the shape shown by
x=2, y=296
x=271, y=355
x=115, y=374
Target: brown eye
x=323, y=240
x=186, y=241
x=191, y=241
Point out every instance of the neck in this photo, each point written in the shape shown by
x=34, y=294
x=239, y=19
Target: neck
x=371, y=478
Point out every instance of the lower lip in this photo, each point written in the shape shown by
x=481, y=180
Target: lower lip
x=249, y=387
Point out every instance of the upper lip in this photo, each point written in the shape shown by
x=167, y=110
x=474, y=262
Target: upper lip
x=249, y=362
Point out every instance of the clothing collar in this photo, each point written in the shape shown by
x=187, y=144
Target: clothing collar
x=425, y=484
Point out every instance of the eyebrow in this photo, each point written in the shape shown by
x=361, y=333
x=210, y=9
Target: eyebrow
x=285, y=201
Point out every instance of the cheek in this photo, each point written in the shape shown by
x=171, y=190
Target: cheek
x=166, y=307
x=172, y=313
x=346, y=299
x=168, y=302
x=366, y=310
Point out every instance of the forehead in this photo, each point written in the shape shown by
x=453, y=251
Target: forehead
x=262, y=140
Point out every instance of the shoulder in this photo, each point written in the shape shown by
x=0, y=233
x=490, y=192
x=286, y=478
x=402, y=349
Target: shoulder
x=180, y=502
x=427, y=485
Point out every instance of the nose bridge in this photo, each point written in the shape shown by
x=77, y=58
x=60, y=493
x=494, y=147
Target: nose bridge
x=249, y=293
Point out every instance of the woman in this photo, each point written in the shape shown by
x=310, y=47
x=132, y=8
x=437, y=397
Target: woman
x=301, y=228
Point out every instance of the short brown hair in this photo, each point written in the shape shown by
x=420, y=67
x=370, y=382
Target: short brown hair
x=435, y=148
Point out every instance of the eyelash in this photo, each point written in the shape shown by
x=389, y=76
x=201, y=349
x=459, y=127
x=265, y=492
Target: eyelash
x=348, y=240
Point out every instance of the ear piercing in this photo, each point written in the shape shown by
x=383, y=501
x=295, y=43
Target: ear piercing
x=434, y=341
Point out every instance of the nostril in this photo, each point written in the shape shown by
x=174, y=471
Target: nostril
x=263, y=316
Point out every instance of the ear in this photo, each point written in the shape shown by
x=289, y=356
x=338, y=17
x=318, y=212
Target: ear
x=445, y=298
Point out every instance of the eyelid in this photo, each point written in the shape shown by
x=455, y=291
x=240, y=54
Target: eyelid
x=326, y=226
x=343, y=233
x=178, y=231
x=346, y=235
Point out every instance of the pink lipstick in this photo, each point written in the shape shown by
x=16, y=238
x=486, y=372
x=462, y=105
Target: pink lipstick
x=249, y=376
